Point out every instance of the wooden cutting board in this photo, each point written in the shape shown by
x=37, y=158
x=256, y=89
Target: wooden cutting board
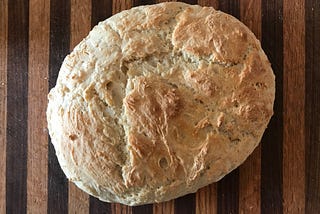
x=281, y=176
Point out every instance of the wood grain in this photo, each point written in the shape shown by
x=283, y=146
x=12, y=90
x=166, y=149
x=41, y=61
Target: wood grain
x=209, y=3
x=100, y=10
x=118, y=6
x=312, y=95
x=190, y=1
x=143, y=209
x=38, y=89
x=250, y=15
x=294, y=107
x=185, y=204
x=17, y=107
x=281, y=176
x=271, y=143
x=164, y=207
x=159, y=1
x=80, y=23
x=231, y=7
x=121, y=209
x=206, y=200
x=3, y=100
x=228, y=193
x=142, y=2
x=58, y=49
x=249, y=174
x=249, y=184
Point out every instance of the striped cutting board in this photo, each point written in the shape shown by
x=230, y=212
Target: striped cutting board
x=281, y=176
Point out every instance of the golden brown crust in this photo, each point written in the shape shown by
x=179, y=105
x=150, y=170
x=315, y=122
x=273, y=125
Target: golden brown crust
x=159, y=101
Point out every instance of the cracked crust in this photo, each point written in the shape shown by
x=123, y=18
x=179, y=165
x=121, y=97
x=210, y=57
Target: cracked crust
x=159, y=101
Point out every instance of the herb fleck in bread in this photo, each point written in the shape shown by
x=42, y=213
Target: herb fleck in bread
x=159, y=101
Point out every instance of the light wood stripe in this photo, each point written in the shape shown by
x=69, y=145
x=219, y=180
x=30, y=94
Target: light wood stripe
x=78, y=202
x=120, y=209
x=118, y=6
x=3, y=100
x=206, y=200
x=80, y=21
x=294, y=107
x=249, y=184
x=250, y=15
x=165, y=207
x=80, y=24
x=249, y=177
x=37, y=99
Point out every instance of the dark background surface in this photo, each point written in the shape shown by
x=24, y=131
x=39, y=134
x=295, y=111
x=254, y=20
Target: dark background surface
x=281, y=176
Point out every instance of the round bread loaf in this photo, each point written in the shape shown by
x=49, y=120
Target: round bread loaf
x=159, y=101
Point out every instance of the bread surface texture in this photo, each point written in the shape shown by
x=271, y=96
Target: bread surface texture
x=159, y=101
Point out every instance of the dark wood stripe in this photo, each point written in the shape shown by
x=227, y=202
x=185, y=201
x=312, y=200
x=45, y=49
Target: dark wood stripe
x=59, y=48
x=190, y=1
x=231, y=7
x=271, y=144
x=185, y=204
x=294, y=117
x=228, y=187
x=17, y=107
x=100, y=10
x=228, y=193
x=37, y=180
x=312, y=106
x=3, y=100
x=142, y=2
x=144, y=209
x=99, y=207
x=250, y=170
x=160, y=1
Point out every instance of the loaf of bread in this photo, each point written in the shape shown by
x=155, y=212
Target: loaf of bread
x=159, y=101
